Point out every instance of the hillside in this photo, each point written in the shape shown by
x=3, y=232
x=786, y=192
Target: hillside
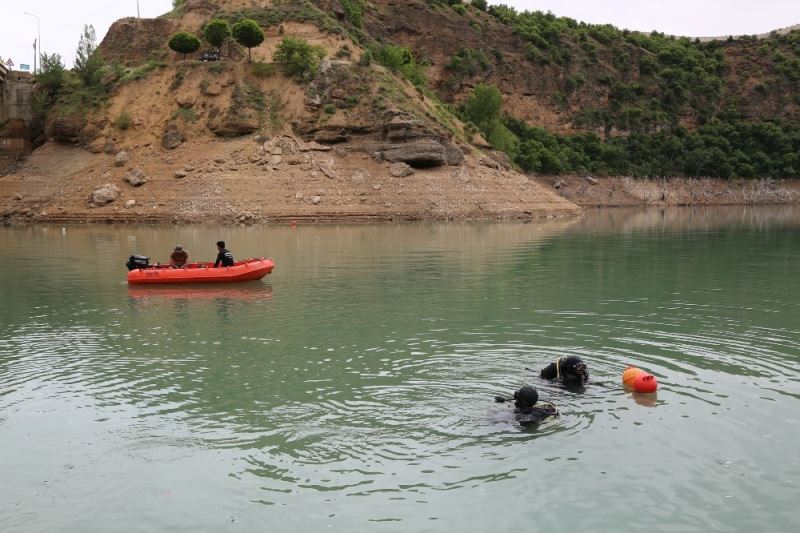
x=394, y=121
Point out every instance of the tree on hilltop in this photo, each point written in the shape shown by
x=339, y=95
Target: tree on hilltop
x=184, y=43
x=88, y=60
x=249, y=34
x=216, y=32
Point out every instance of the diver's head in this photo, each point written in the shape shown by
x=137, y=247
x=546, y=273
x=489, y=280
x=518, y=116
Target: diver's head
x=526, y=397
x=574, y=369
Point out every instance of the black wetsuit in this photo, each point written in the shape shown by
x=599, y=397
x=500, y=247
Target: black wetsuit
x=527, y=416
x=564, y=369
x=224, y=257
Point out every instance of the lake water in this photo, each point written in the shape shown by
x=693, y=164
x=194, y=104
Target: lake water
x=352, y=389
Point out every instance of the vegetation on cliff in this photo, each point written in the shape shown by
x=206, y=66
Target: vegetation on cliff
x=555, y=94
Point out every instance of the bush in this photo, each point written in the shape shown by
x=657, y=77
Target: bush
x=184, y=43
x=330, y=109
x=480, y=4
x=469, y=62
x=262, y=70
x=123, y=120
x=298, y=58
x=248, y=34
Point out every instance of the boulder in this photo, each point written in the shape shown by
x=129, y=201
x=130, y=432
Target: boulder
x=400, y=170
x=186, y=100
x=122, y=159
x=316, y=200
x=454, y=154
x=422, y=153
x=502, y=159
x=110, y=148
x=181, y=174
x=590, y=180
x=96, y=146
x=130, y=203
x=105, y=194
x=136, y=177
x=65, y=130
x=479, y=141
x=172, y=137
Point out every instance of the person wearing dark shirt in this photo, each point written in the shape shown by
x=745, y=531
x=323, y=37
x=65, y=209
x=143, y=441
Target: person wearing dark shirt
x=179, y=257
x=224, y=257
x=567, y=369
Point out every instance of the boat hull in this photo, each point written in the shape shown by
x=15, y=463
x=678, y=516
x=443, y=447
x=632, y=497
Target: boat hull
x=248, y=270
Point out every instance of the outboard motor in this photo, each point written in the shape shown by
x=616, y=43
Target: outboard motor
x=137, y=261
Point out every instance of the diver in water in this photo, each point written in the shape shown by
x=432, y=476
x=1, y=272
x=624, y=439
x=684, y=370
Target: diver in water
x=568, y=370
x=526, y=410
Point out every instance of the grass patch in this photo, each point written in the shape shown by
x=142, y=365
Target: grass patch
x=123, y=120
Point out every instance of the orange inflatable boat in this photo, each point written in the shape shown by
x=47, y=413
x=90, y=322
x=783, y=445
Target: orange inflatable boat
x=247, y=270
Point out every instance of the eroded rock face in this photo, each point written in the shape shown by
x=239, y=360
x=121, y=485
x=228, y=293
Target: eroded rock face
x=136, y=177
x=172, y=137
x=422, y=153
x=105, y=194
x=229, y=124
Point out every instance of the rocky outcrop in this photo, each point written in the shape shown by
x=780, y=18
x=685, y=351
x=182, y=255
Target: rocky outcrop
x=65, y=130
x=423, y=153
x=105, y=194
x=233, y=124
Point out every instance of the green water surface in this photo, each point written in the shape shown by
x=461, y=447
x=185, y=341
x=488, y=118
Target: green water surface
x=352, y=389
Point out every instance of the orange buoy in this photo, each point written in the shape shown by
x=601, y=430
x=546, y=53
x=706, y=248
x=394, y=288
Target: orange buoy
x=645, y=383
x=630, y=375
x=294, y=224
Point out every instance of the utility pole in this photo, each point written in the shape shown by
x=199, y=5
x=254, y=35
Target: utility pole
x=138, y=16
x=34, y=56
x=39, y=36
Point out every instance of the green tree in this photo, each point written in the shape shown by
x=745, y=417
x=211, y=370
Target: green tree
x=480, y=4
x=88, y=60
x=51, y=74
x=298, y=58
x=216, y=32
x=483, y=106
x=184, y=43
x=249, y=34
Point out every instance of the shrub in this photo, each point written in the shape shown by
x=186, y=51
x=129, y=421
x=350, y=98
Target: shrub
x=262, y=70
x=298, y=58
x=330, y=109
x=480, y=4
x=184, y=43
x=123, y=120
x=249, y=34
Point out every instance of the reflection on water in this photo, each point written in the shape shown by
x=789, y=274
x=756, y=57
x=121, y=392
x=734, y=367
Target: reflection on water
x=353, y=387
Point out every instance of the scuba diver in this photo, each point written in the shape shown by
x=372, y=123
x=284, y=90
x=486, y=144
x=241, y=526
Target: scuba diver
x=569, y=370
x=526, y=410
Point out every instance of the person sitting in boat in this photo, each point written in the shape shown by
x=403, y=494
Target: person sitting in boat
x=224, y=257
x=179, y=257
x=570, y=369
x=526, y=410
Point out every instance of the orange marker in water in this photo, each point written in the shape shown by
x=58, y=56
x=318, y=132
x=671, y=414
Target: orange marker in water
x=630, y=374
x=645, y=383
x=294, y=224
